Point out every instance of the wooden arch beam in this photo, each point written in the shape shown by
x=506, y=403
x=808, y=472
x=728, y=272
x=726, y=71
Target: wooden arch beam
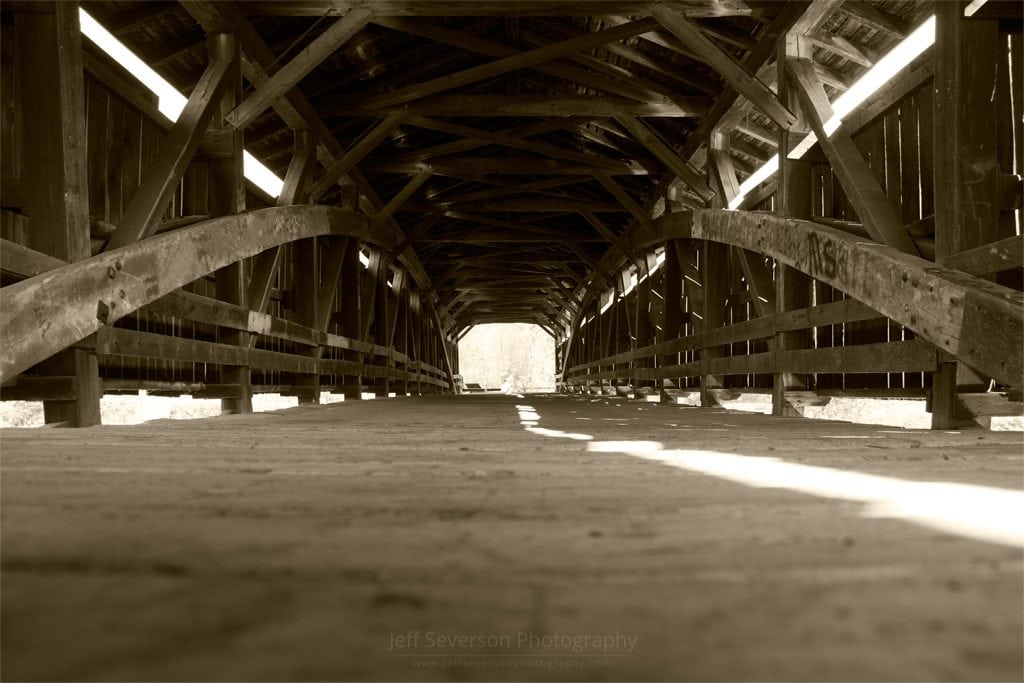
x=52, y=311
x=979, y=322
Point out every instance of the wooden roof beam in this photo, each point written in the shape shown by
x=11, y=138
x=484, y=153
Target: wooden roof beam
x=614, y=73
x=683, y=170
x=858, y=54
x=816, y=13
x=527, y=105
x=518, y=132
x=595, y=266
x=624, y=199
x=403, y=195
x=136, y=19
x=616, y=241
x=354, y=155
x=288, y=76
x=511, y=63
x=531, y=256
x=757, y=132
x=504, y=285
x=475, y=167
x=510, y=190
x=530, y=205
x=477, y=219
x=294, y=109
x=732, y=71
x=766, y=48
x=175, y=49
x=725, y=173
x=472, y=43
x=416, y=233
x=506, y=274
x=517, y=8
x=511, y=141
x=877, y=19
x=479, y=236
x=663, y=68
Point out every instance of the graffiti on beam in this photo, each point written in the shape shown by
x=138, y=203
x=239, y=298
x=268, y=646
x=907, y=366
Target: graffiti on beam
x=823, y=257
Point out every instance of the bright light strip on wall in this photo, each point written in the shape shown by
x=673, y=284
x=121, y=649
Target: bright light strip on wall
x=867, y=85
x=171, y=102
x=259, y=175
x=894, y=61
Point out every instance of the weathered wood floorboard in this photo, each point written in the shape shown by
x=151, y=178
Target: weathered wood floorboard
x=297, y=544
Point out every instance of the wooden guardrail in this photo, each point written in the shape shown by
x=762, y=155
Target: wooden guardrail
x=906, y=356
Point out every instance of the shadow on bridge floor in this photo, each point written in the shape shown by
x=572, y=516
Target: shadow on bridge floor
x=438, y=539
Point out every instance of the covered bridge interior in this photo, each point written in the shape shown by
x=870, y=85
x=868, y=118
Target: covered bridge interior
x=696, y=199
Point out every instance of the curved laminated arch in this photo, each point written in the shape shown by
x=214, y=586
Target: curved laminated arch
x=51, y=311
x=977, y=321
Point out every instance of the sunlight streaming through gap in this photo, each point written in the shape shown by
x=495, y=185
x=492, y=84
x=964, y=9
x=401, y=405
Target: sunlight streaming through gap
x=171, y=102
x=878, y=75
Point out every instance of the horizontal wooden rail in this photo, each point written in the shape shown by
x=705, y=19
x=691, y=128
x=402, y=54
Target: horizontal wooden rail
x=203, y=309
x=905, y=356
x=24, y=262
x=847, y=310
x=113, y=341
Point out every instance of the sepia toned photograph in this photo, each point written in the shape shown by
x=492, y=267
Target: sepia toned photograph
x=511, y=340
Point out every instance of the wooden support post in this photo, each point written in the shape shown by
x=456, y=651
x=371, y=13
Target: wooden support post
x=56, y=177
x=414, y=337
x=351, y=313
x=644, y=329
x=381, y=317
x=306, y=287
x=792, y=288
x=227, y=196
x=400, y=332
x=426, y=348
x=966, y=161
x=714, y=268
x=793, y=292
x=721, y=168
x=714, y=272
x=332, y=261
x=672, y=314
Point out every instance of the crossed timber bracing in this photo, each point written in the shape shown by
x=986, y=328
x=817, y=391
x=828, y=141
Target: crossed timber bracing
x=510, y=161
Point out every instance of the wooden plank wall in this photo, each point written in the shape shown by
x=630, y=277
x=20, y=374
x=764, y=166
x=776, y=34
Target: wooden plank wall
x=896, y=142
x=124, y=138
